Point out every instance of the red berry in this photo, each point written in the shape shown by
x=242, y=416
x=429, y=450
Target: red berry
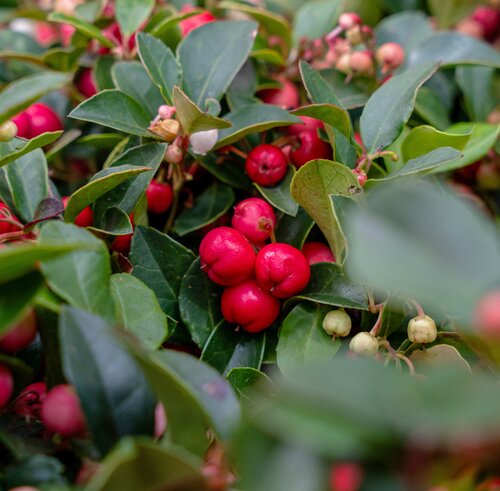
x=23, y=123
x=317, y=252
x=6, y=385
x=122, y=244
x=360, y=176
x=311, y=148
x=287, y=97
x=489, y=18
x=43, y=119
x=5, y=227
x=266, y=165
x=28, y=402
x=61, y=412
x=85, y=83
x=159, y=196
x=255, y=219
x=192, y=23
x=85, y=218
x=487, y=315
x=20, y=335
x=309, y=124
x=227, y=256
x=250, y=307
x=346, y=476
x=45, y=34
x=282, y=270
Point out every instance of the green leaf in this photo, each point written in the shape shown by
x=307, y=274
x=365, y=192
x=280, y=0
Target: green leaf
x=63, y=59
x=161, y=30
x=103, y=72
x=390, y=107
x=302, y=338
x=279, y=196
x=312, y=186
x=130, y=14
x=192, y=119
x=116, y=110
x=477, y=86
x=212, y=55
x=103, y=372
x=81, y=277
x=132, y=79
x=160, y=63
x=255, y=118
x=23, y=92
x=160, y=262
x=84, y=27
x=138, y=310
x=315, y=19
x=216, y=200
x=167, y=468
x=22, y=147
x=24, y=183
x=448, y=12
x=245, y=380
x=102, y=182
x=330, y=286
x=226, y=349
x=438, y=356
x=227, y=172
x=294, y=229
x=431, y=108
x=318, y=89
x=199, y=303
x=329, y=114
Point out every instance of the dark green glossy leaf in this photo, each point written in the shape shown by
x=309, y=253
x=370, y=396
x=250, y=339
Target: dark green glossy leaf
x=103, y=72
x=294, y=230
x=22, y=147
x=279, y=196
x=329, y=114
x=448, y=12
x=63, y=59
x=130, y=14
x=476, y=83
x=244, y=380
x=318, y=89
x=228, y=172
x=35, y=470
x=315, y=19
x=431, y=108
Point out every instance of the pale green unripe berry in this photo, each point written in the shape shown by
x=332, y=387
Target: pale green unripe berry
x=364, y=344
x=8, y=131
x=422, y=329
x=337, y=323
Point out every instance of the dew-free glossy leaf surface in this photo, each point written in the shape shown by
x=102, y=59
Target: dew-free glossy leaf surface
x=279, y=196
x=17, y=147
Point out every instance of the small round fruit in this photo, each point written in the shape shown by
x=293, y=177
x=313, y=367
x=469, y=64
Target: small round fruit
x=286, y=97
x=317, y=252
x=250, y=307
x=309, y=124
x=85, y=83
x=255, y=219
x=487, y=315
x=364, y=344
x=347, y=20
x=20, y=335
x=346, y=476
x=43, y=119
x=23, y=123
x=6, y=385
x=195, y=21
x=5, y=227
x=337, y=323
x=85, y=218
x=361, y=62
x=8, y=131
x=422, y=329
x=390, y=56
x=470, y=27
x=489, y=18
x=282, y=270
x=311, y=148
x=266, y=165
x=361, y=176
x=159, y=196
x=122, y=244
x=61, y=412
x=227, y=256
x=29, y=401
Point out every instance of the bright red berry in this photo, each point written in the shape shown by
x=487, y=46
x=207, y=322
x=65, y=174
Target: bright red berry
x=122, y=244
x=28, y=403
x=85, y=218
x=227, y=256
x=317, y=252
x=346, y=476
x=42, y=119
x=23, y=123
x=286, y=97
x=311, y=148
x=250, y=307
x=20, y=335
x=86, y=84
x=282, y=270
x=61, y=412
x=255, y=219
x=159, y=196
x=5, y=213
x=309, y=124
x=266, y=165
x=489, y=18
x=487, y=315
x=6, y=385
x=198, y=20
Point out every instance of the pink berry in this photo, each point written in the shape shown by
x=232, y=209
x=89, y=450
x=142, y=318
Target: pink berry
x=487, y=315
x=309, y=124
x=6, y=385
x=61, y=412
x=390, y=56
x=282, y=270
x=66, y=32
x=317, y=252
x=361, y=62
x=286, y=97
x=85, y=218
x=250, y=307
x=266, y=165
x=28, y=402
x=45, y=34
x=489, y=18
x=198, y=20
x=311, y=148
x=23, y=123
x=346, y=476
x=347, y=20
x=360, y=176
x=255, y=219
x=86, y=84
x=20, y=335
x=227, y=256
x=43, y=119
x=159, y=196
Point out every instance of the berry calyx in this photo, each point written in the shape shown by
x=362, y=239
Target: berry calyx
x=20, y=335
x=309, y=124
x=287, y=97
x=85, y=218
x=364, y=344
x=422, y=329
x=255, y=219
x=390, y=56
x=159, y=196
x=61, y=412
x=8, y=131
x=86, y=84
x=487, y=315
x=29, y=402
x=337, y=323
x=42, y=119
x=6, y=385
x=227, y=256
x=282, y=270
x=311, y=148
x=266, y=165
x=317, y=252
x=250, y=307
x=198, y=20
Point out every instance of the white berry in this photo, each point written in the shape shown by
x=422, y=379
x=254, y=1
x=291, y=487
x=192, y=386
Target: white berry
x=203, y=141
x=364, y=344
x=337, y=323
x=8, y=131
x=422, y=329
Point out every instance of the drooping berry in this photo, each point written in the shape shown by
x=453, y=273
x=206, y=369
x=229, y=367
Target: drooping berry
x=20, y=335
x=486, y=316
x=195, y=21
x=159, y=196
x=266, y=165
x=337, y=323
x=227, y=256
x=282, y=270
x=86, y=84
x=61, y=412
x=311, y=148
x=250, y=307
x=317, y=252
x=390, y=56
x=255, y=219
x=309, y=124
x=422, y=329
x=85, y=218
x=364, y=344
x=286, y=97
x=42, y=119
x=6, y=385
